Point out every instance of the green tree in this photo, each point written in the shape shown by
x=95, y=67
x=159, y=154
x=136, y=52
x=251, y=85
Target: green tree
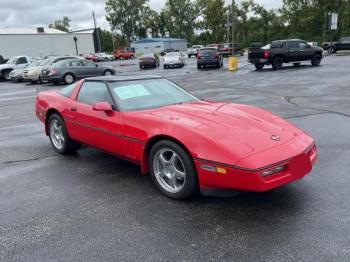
x=61, y=24
x=181, y=16
x=127, y=16
x=215, y=20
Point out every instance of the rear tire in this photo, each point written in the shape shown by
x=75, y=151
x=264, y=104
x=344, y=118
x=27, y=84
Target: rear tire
x=199, y=66
x=58, y=135
x=277, y=63
x=108, y=73
x=172, y=170
x=259, y=66
x=316, y=60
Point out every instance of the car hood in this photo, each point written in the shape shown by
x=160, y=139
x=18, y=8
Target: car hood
x=231, y=126
x=37, y=68
x=3, y=66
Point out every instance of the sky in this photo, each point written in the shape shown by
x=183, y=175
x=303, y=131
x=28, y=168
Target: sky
x=32, y=13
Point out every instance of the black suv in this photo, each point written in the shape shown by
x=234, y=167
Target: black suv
x=284, y=51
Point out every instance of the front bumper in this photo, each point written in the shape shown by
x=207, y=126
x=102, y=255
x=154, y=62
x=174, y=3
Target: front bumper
x=253, y=180
x=31, y=77
x=51, y=78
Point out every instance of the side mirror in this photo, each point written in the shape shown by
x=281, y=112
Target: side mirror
x=102, y=106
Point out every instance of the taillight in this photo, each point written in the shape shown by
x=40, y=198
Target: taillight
x=267, y=54
x=216, y=56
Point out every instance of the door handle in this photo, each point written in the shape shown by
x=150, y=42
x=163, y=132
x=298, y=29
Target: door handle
x=73, y=109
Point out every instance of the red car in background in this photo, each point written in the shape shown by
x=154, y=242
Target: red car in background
x=183, y=142
x=91, y=57
x=123, y=54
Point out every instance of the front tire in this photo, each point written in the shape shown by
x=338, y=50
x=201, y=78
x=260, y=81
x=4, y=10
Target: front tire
x=172, y=170
x=6, y=75
x=58, y=135
x=316, y=60
x=68, y=79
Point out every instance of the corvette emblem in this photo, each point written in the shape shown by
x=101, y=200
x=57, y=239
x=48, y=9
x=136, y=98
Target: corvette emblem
x=275, y=138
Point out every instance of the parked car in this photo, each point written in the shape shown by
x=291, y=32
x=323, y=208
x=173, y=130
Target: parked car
x=284, y=51
x=17, y=74
x=123, y=54
x=227, y=50
x=343, y=44
x=173, y=59
x=186, y=144
x=104, y=57
x=216, y=46
x=91, y=57
x=15, y=62
x=33, y=74
x=193, y=51
x=209, y=56
x=148, y=60
x=70, y=70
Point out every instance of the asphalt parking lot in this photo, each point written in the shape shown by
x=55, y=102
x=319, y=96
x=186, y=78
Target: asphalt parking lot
x=94, y=207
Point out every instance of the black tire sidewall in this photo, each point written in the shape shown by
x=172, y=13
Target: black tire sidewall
x=276, y=64
x=107, y=71
x=191, y=182
x=316, y=60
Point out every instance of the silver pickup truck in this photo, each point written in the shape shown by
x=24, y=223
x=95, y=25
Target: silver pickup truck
x=15, y=62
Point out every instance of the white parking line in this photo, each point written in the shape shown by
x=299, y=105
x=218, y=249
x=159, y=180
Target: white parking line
x=16, y=98
x=18, y=92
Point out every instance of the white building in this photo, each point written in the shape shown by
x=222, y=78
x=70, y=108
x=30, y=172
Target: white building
x=156, y=45
x=44, y=41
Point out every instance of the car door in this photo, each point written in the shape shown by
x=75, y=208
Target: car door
x=293, y=51
x=306, y=52
x=91, y=69
x=99, y=129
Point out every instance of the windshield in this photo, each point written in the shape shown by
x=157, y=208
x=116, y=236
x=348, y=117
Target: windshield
x=34, y=63
x=266, y=46
x=12, y=61
x=47, y=61
x=146, y=94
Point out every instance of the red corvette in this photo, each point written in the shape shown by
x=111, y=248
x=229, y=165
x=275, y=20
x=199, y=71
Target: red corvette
x=183, y=142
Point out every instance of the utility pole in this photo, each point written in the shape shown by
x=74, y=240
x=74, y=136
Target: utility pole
x=97, y=32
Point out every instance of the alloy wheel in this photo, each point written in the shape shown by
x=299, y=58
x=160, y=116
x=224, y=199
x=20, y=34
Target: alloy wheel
x=57, y=134
x=169, y=170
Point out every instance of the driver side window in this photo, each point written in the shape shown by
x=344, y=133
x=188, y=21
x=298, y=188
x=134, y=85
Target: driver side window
x=302, y=44
x=93, y=92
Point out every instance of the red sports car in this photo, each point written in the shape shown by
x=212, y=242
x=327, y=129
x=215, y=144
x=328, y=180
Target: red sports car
x=183, y=142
